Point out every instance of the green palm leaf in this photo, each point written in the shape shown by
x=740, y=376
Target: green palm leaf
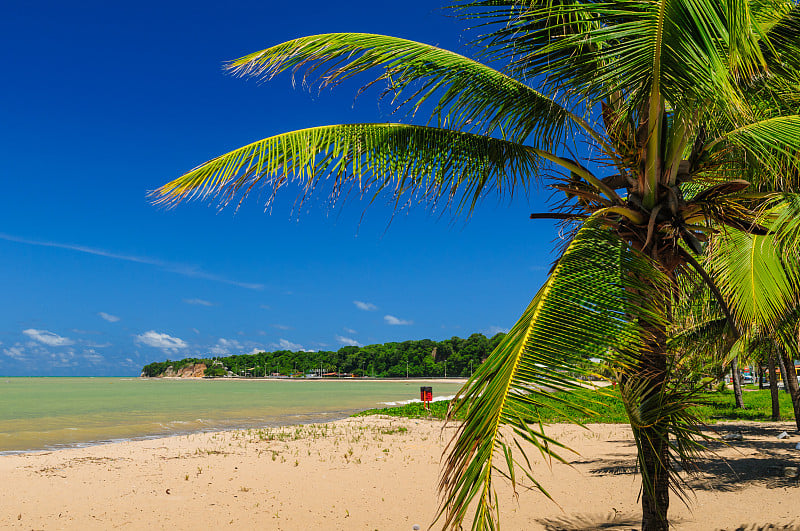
x=781, y=47
x=677, y=50
x=420, y=163
x=771, y=141
x=784, y=215
x=587, y=308
x=752, y=277
x=468, y=95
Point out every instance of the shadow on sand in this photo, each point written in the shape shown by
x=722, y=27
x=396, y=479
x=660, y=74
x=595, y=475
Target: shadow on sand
x=626, y=522
x=725, y=474
x=614, y=521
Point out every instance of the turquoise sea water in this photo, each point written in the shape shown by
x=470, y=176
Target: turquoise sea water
x=48, y=413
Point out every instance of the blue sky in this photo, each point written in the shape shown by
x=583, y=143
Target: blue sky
x=104, y=101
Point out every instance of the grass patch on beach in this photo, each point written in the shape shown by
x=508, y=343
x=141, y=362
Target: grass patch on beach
x=606, y=407
x=414, y=410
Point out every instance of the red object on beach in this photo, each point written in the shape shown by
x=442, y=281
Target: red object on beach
x=426, y=394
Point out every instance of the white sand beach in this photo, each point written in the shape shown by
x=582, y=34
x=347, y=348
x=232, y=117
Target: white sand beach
x=375, y=473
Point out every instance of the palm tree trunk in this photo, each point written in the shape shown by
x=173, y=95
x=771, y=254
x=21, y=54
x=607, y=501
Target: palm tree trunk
x=773, y=389
x=794, y=388
x=760, y=377
x=737, y=384
x=784, y=374
x=653, y=439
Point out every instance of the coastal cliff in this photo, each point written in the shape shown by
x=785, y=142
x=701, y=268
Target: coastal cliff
x=193, y=370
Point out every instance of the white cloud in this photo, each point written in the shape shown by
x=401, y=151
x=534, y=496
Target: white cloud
x=86, y=332
x=492, y=330
x=198, y=302
x=163, y=341
x=347, y=341
x=350, y=331
x=285, y=344
x=394, y=321
x=93, y=357
x=281, y=326
x=366, y=306
x=97, y=345
x=48, y=338
x=257, y=350
x=225, y=347
x=63, y=359
x=15, y=352
x=108, y=317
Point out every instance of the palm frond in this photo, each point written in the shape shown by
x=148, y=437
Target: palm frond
x=783, y=213
x=681, y=430
x=468, y=95
x=417, y=163
x=752, y=277
x=780, y=46
x=772, y=141
x=587, y=308
x=597, y=49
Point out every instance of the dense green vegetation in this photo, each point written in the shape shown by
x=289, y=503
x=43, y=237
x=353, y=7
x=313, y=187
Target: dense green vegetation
x=607, y=407
x=451, y=357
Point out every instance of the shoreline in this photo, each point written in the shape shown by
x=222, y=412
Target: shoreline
x=50, y=416
x=376, y=473
x=458, y=380
x=314, y=418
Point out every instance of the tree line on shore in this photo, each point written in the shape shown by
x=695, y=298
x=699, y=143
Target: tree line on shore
x=416, y=358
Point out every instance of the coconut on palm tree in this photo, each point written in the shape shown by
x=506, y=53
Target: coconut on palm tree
x=666, y=100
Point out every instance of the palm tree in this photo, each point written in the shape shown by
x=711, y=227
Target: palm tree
x=644, y=114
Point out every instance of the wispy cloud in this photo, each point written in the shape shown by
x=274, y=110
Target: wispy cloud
x=180, y=269
x=349, y=330
x=108, y=317
x=347, y=341
x=48, y=338
x=93, y=357
x=198, y=302
x=16, y=352
x=366, y=306
x=281, y=326
x=165, y=342
x=394, y=321
x=98, y=345
x=37, y=357
x=492, y=330
x=285, y=344
x=225, y=347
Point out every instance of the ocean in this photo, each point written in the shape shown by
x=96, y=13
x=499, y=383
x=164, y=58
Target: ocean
x=53, y=413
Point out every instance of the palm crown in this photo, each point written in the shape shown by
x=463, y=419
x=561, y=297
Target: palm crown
x=687, y=112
